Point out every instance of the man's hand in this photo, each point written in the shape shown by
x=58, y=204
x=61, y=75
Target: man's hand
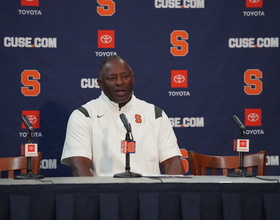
x=173, y=166
x=81, y=166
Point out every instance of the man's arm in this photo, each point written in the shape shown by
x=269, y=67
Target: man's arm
x=173, y=166
x=81, y=166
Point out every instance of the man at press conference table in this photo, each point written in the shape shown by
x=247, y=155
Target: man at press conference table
x=93, y=137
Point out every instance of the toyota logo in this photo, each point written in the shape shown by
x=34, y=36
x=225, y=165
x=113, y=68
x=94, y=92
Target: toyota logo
x=253, y=117
x=179, y=78
x=254, y=1
x=31, y=148
x=106, y=39
x=32, y=118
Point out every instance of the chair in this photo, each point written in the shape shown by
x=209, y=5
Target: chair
x=201, y=164
x=10, y=165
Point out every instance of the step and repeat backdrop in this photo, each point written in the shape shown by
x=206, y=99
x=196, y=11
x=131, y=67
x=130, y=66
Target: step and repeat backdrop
x=202, y=61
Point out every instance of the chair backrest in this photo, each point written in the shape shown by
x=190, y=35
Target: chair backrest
x=201, y=164
x=10, y=165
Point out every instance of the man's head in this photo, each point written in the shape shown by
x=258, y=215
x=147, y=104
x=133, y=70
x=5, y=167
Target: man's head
x=116, y=79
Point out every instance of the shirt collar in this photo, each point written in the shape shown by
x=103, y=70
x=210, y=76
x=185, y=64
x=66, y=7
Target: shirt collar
x=115, y=106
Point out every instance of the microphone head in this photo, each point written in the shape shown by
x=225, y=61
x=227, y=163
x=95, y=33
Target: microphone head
x=238, y=122
x=125, y=122
x=27, y=123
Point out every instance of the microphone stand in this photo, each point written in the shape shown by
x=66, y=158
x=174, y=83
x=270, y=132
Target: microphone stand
x=127, y=173
x=241, y=172
x=29, y=174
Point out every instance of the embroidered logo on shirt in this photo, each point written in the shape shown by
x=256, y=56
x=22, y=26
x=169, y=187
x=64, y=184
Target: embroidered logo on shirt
x=99, y=116
x=138, y=118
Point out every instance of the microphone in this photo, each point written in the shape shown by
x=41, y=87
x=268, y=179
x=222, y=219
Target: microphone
x=129, y=146
x=27, y=123
x=238, y=122
x=125, y=122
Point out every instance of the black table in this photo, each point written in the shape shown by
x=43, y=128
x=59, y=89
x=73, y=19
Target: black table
x=105, y=198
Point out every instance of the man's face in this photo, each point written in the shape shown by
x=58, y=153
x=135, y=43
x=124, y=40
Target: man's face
x=117, y=81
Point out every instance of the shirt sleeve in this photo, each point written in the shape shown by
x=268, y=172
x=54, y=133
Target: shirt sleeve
x=168, y=146
x=77, y=140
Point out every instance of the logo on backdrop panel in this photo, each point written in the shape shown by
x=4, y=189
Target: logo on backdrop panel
x=105, y=40
x=34, y=118
x=30, y=42
x=179, y=4
x=253, y=81
x=89, y=83
x=179, y=79
x=178, y=41
x=29, y=3
x=30, y=81
x=251, y=42
x=253, y=118
x=253, y=4
x=106, y=7
x=187, y=122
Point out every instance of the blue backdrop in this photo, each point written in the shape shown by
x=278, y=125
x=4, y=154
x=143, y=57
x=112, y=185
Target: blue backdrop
x=202, y=61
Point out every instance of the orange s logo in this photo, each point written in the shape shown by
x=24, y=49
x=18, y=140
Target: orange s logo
x=131, y=147
x=106, y=8
x=32, y=87
x=138, y=119
x=254, y=84
x=128, y=146
x=178, y=40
